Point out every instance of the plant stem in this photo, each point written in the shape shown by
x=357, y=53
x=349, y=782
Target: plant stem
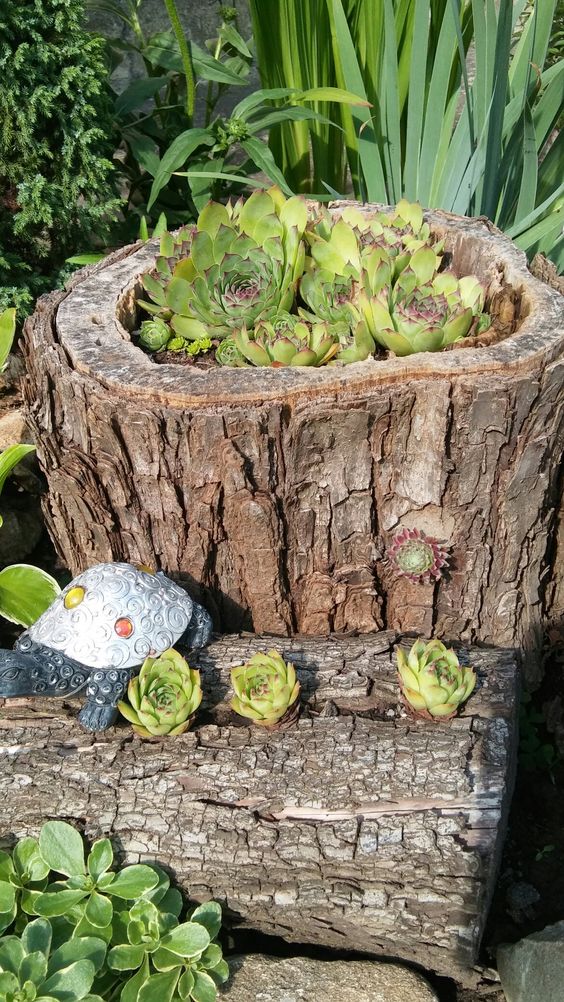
x=185, y=56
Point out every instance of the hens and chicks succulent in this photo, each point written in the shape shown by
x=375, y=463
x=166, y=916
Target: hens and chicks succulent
x=265, y=283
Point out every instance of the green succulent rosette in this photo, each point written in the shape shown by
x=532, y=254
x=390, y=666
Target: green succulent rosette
x=243, y=267
x=432, y=680
x=266, y=689
x=398, y=233
x=288, y=340
x=424, y=311
x=164, y=697
x=154, y=334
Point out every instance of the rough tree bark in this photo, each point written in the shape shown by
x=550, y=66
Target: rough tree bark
x=360, y=828
x=275, y=493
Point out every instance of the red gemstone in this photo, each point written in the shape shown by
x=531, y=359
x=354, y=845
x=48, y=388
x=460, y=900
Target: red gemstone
x=123, y=628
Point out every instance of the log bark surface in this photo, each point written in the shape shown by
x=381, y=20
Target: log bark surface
x=360, y=828
x=275, y=493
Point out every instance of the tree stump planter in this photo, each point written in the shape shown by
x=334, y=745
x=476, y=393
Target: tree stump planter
x=276, y=492
x=358, y=829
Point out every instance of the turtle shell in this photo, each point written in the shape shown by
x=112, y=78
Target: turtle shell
x=114, y=616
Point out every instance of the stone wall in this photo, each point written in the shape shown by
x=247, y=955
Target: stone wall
x=200, y=19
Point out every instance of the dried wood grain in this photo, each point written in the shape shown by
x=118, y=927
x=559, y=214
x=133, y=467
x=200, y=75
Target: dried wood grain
x=358, y=829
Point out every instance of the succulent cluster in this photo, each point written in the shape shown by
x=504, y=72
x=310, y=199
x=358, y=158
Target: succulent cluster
x=264, y=283
x=433, y=682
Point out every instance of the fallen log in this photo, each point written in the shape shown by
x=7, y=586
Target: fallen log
x=359, y=828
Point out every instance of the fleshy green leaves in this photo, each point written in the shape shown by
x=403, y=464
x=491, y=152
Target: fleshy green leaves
x=62, y=848
x=118, y=934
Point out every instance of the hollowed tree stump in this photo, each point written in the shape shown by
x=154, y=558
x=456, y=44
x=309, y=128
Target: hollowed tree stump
x=359, y=828
x=276, y=492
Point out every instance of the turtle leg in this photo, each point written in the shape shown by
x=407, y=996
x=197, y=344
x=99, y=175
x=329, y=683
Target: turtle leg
x=104, y=690
x=199, y=632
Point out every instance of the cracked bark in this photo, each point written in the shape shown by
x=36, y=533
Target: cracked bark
x=361, y=829
x=274, y=493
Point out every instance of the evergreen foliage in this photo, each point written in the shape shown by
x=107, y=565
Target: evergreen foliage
x=56, y=185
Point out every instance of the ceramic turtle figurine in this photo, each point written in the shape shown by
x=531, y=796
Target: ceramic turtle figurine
x=97, y=633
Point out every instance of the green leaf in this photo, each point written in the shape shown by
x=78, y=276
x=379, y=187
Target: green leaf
x=220, y=973
x=209, y=68
x=211, y=956
x=7, y=897
x=125, y=957
x=176, y=156
x=137, y=93
x=70, y=984
x=99, y=910
x=335, y=94
x=33, y=968
x=187, y=940
x=185, y=984
x=11, y=953
x=261, y=155
x=159, y=987
x=100, y=858
x=79, y=948
x=131, y=988
x=28, y=860
x=57, y=902
x=133, y=881
x=84, y=259
x=208, y=914
x=25, y=593
x=9, y=984
x=36, y=936
x=10, y=458
x=204, y=989
x=164, y=960
x=7, y=331
x=61, y=846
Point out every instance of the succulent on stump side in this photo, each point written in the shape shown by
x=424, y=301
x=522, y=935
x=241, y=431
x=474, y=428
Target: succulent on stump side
x=433, y=682
x=416, y=556
x=266, y=690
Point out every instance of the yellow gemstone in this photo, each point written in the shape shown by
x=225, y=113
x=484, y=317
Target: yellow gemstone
x=74, y=597
x=145, y=568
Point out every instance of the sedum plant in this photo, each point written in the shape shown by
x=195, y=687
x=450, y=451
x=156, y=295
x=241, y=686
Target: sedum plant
x=164, y=697
x=72, y=928
x=266, y=689
x=432, y=681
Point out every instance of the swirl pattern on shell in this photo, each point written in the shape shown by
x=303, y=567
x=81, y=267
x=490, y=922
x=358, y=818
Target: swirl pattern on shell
x=158, y=609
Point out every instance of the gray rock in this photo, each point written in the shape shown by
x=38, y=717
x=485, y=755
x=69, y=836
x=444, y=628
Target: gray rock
x=256, y=978
x=532, y=970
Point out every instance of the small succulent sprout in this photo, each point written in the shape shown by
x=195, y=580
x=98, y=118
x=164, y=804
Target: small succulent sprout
x=417, y=556
x=288, y=340
x=433, y=682
x=266, y=690
x=228, y=354
x=154, y=334
x=164, y=697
